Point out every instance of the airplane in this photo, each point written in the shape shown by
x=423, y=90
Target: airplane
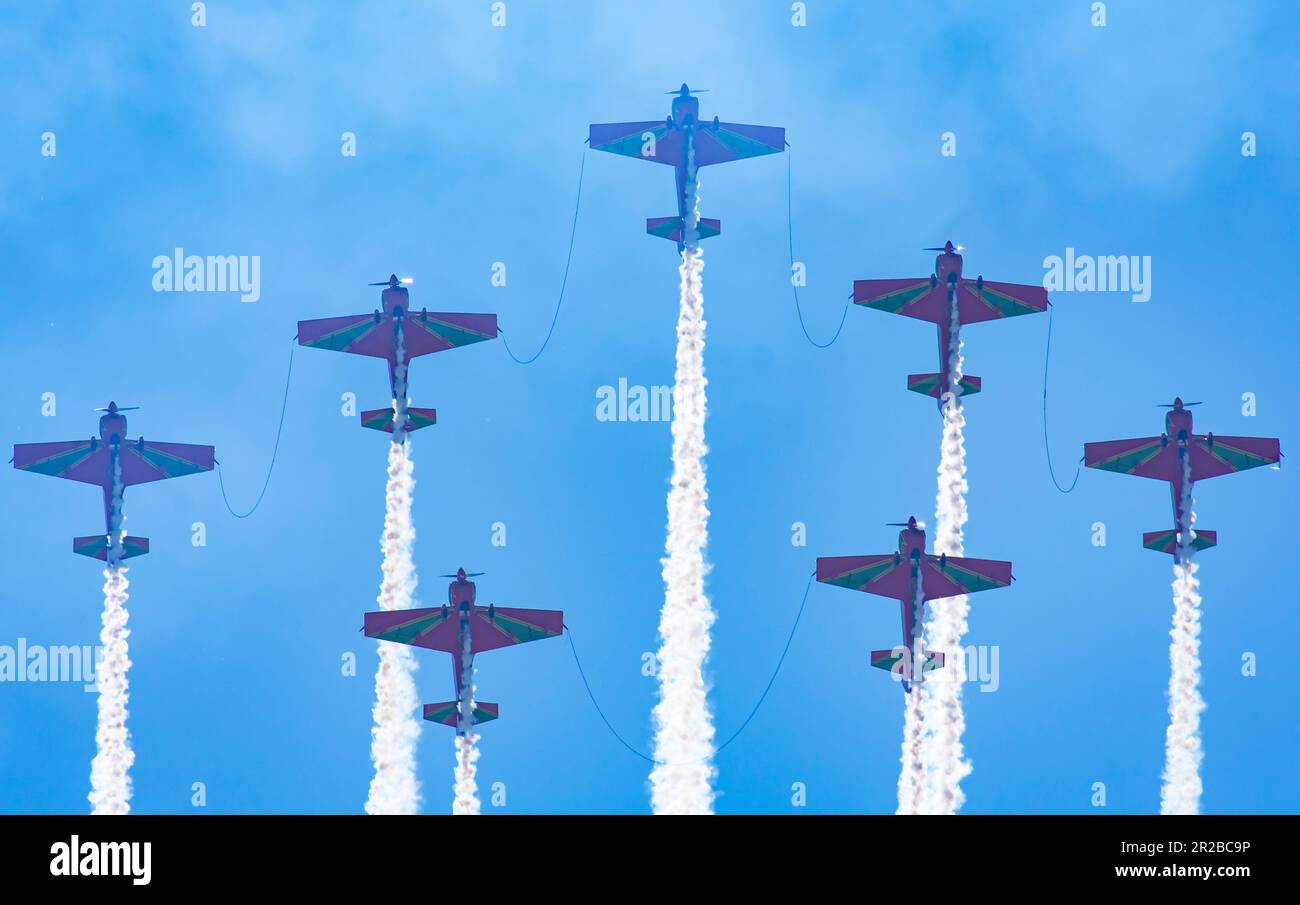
x=114, y=462
x=1177, y=455
x=900, y=576
x=928, y=299
x=666, y=141
x=398, y=334
x=445, y=628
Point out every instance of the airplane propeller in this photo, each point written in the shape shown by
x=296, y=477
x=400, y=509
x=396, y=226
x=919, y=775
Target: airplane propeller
x=467, y=575
x=393, y=280
x=114, y=407
x=903, y=524
x=1169, y=405
x=948, y=248
x=686, y=90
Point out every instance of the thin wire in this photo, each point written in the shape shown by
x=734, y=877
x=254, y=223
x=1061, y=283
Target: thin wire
x=789, y=210
x=761, y=698
x=779, y=662
x=284, y=404
x=1047, y=447
x=594, y=703
x=568, y=259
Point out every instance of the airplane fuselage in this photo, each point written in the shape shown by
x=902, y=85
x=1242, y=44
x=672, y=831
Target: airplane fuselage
x=947, y=272
x=911, y=547
x=396, y=302
x=1178, y=429
x=112, y=432
x=112, y=428
x=461, y=595
x=685, y=118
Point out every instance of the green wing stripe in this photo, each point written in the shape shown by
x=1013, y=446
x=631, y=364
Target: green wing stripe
x=172, y=466
x=1234, y=458
x=59, y=463
x=1127, y=461
x=1003, y=304
x=630, y=145
x=451, y=334
x=340, y=339
x=968, y=579
x=408, y=632
x=519, y=630
x=899, y=299
x=859, y=578
x=743, y=145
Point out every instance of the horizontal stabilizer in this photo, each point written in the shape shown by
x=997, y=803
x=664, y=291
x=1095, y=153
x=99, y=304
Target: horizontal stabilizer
x=671, y=228
x=96, y=546
x=893, y=661
x=1167, y=541
x=448, y=712
x=936, y=385
x=382, y=419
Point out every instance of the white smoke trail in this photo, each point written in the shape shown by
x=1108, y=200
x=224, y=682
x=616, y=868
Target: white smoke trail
x=681, y=782
x=466, y=800
x=395, y=788
x=945, y=760
x=911, y=779
x=110, y=779
x=1181, y=792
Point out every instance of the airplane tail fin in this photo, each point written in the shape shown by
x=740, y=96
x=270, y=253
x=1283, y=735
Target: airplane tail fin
x=894, y=661
x=1167, y=541
x=96, y=546
x=448, y=713
x=935, y=385
x=671, y=228
x=382, y=419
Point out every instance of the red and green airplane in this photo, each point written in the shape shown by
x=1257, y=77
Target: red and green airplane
x=448, y=627
x=1182, y=458
x=912, y=577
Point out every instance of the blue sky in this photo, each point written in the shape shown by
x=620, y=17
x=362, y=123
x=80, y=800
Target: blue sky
x=226, y=140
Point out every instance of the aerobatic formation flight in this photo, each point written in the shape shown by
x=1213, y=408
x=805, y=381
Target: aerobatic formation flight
x=464, y=628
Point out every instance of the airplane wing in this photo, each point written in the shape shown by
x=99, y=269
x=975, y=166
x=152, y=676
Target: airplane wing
x=629, y=139
x=1144, y=457
x=729, y=141
x=882, y=574
x=362, y=334
x=960, y=575
x=512, y=625
x=1227, y=455
x=998, y=300
x=1151, y=457
x=916, y=298
x=75, y=460
x=359, y=334
x=437, y=629
x=440, y=331
x=735, y=141
x=432, y=627
x=909, y=297
x=152, y=461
